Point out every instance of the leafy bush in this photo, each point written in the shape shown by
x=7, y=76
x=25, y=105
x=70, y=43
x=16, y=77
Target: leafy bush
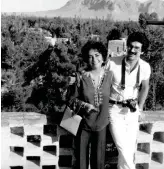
x=41, y=71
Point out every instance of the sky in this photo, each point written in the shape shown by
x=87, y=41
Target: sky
x=32, y=5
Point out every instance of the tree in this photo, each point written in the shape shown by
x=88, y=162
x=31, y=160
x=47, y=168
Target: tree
x=142, y=20
x=41, y=72
x=154, y=16
x=156, y=60
x=114, y=34
x=51, y=77
x=144, y=17
x=31, y=22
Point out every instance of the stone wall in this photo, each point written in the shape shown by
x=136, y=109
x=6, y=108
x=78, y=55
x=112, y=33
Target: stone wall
x=33, y=141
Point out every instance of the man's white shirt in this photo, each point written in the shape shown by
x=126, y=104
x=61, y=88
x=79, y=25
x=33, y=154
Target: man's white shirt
x=130, y=91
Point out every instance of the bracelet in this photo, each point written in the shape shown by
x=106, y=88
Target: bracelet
x=84, y=105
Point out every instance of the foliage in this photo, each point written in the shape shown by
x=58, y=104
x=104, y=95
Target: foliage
x=114, y=34
x=156, y=60
x=35, y=75
x=143, y=17
x=50, y=75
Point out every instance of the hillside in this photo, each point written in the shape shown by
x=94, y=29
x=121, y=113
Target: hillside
x=105, y=9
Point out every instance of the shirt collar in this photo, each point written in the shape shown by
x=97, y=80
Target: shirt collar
x=127, y=65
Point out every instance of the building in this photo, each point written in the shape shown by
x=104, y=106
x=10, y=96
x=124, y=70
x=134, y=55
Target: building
x=117, y=47
x=94, y=37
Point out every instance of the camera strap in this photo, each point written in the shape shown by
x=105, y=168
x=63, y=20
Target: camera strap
x=123, y=75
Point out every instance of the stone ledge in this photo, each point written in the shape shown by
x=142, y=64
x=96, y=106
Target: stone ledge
x=151, y=116
x=32, y=118
x=18, y=126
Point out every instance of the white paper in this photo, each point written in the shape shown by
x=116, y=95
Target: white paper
x=69, y=122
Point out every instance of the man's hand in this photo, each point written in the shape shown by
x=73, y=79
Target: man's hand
x=140, y=108
x=72, y=80
x=86, y=73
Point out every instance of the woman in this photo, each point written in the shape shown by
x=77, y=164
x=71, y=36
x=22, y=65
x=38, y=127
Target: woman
x=91, y=100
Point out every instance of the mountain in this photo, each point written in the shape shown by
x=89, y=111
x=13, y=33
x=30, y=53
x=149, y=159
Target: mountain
x=110, y=9
x=153, y=6
x=106, y=9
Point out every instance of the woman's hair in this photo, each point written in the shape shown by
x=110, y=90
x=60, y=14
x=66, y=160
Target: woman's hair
x=96, y=45
x=139, y=37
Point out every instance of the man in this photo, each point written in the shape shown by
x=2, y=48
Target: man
x=130, y=85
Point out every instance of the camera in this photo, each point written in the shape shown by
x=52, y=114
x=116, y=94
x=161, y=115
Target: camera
x=131, y=104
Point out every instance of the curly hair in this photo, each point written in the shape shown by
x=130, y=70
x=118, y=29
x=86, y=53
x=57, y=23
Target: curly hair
x=139, y=37
x=97, y=45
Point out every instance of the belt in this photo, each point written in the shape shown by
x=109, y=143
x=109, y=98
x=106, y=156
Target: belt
x=121, y=102
x=130, y=103
x=116, y=102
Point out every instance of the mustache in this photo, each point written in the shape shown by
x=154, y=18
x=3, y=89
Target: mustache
x=132, y=53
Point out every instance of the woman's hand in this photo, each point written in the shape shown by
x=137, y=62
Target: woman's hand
x=90, y=108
